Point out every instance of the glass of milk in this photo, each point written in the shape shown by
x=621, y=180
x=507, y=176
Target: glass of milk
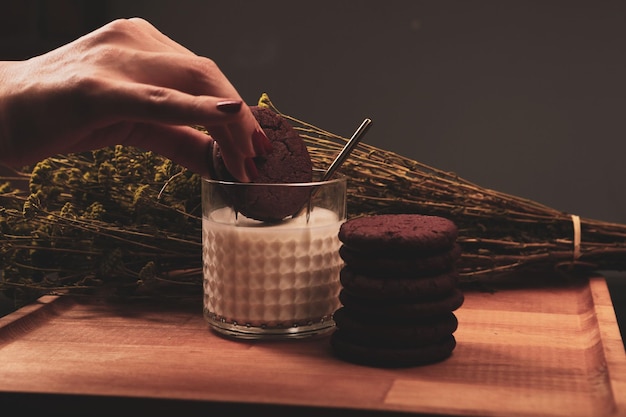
x=272, y=279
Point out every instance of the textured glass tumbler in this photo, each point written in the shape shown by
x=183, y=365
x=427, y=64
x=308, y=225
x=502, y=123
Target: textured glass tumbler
x=271, y=279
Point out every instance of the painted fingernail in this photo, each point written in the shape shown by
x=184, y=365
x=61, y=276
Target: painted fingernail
x=251, y=170
x=261, y=143
x=229, y=106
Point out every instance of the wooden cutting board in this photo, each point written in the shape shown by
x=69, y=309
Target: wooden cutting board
x=523, y=350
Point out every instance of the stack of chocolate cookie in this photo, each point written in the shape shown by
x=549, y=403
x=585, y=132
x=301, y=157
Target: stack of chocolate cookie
x=400, y=288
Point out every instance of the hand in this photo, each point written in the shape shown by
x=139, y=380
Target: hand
x=125, y=83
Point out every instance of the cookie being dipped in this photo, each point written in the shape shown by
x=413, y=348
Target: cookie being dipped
x=288, y=161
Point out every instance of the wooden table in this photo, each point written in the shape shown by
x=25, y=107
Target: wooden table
x=523, y=350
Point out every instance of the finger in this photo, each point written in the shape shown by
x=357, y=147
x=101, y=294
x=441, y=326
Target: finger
x=233, y=132
x=242, y=136
x=233, y=157
x=128, y=101
x=237, y=146
x=155, y=105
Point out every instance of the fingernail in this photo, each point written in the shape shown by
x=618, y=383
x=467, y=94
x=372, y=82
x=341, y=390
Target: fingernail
x=251, y=170
x=229, y=106
x=261, y=143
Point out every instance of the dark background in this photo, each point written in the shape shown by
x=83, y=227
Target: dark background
x=526, y=97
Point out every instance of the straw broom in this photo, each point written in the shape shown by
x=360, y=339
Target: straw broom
x=130, y=221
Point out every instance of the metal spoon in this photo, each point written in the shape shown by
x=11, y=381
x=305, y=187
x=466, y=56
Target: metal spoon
x=345, y=152
x=340, y=159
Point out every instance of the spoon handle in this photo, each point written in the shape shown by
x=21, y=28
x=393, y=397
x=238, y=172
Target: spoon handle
x=345, y=152
x=341, y=157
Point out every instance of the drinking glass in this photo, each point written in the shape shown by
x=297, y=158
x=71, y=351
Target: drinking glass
x=272, y=279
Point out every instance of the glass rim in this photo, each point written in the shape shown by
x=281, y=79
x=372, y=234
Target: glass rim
x=337, y=178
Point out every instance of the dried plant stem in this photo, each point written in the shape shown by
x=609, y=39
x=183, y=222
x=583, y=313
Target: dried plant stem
x=130, y=220
x=498, y=231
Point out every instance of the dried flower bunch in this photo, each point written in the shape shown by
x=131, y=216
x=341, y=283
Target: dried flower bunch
x=130, y=221
x=499, y=232
x=117, y=218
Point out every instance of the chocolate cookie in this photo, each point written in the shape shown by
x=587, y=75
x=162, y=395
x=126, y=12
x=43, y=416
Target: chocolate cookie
x=394, y=288
x=398, y=233
x=288, y=162
x=389, y=357
x=401, y=264
x=399, y=290
x=395, y=333
x=374, y=307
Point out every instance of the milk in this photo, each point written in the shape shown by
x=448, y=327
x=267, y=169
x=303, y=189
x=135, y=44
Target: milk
x=271, y=275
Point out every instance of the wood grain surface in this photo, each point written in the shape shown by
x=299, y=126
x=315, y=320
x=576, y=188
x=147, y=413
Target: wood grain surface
x=523, y=350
